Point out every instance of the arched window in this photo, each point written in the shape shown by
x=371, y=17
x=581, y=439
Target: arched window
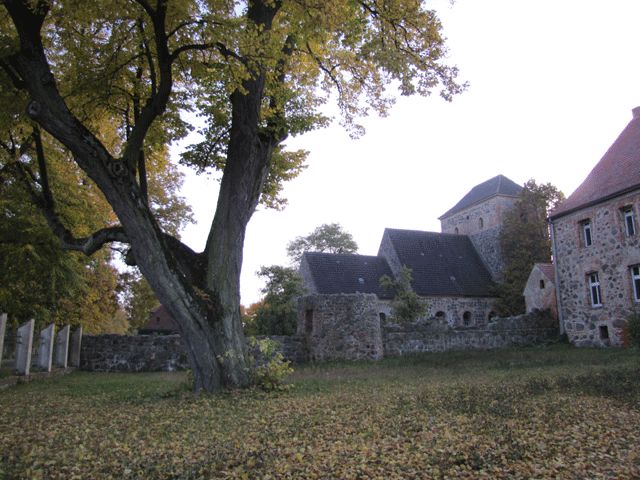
x=466, y=318
x=481, y=223
x=383, y=317
x=456, y=231
x=441, y=316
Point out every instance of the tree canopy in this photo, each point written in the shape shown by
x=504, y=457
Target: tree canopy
x=525, y=241
x=329, y=237
x=108, y=81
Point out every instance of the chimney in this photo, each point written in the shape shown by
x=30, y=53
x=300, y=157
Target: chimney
x=636, y=112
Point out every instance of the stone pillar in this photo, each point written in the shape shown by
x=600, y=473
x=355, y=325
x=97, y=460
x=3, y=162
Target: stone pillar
x=45, y=348
x=24, y=342
x=3, y=326
x=62, y=347
x=76, y=343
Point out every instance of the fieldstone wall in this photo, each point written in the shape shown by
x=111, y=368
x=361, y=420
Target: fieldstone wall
x=611, y=255
x=483, y=223
x=433, y=336
x=157, y=353
x=540, y=296
x=133, y=353
x=340, y=327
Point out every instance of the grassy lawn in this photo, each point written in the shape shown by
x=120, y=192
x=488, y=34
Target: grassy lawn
x=553, y=412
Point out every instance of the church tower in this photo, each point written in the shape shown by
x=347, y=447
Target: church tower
x=480, y=215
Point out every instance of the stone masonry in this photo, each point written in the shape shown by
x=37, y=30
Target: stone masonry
x=483, y=223
x=611, y=256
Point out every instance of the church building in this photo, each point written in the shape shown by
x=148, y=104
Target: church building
x=453, y=270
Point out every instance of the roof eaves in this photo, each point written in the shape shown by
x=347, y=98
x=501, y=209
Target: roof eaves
x=591, y=203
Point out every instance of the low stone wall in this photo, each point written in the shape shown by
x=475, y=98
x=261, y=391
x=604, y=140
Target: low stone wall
x=530, y=329
x=156, y=353
x=133, y=353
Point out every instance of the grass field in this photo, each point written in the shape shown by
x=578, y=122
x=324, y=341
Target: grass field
x=552, y=412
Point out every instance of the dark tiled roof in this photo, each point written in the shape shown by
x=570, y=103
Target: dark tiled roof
x=548, y=270
x=441, y=263
x=499, y=185
x=617, y=172
x=347, y=273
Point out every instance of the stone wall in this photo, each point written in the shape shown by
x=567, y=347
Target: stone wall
x=133, y=353
x=483, y=223
x=523, y=330
x=611, y=255
x=341, y=326
x=155, y=353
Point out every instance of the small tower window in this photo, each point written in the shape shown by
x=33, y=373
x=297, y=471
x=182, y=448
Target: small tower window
x=481, y=223
x=541, y=284
x=466, y=318
x=456, y=230
x=383, y=317
x=308, y=322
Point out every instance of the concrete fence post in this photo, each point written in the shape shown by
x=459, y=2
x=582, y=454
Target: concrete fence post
x=24, y=342
x=62, y=347
x=76, y=344
x=3, y=327
x=45, y=347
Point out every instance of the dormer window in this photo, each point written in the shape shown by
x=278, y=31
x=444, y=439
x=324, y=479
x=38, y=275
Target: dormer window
x=585, y=227
x=629, y=221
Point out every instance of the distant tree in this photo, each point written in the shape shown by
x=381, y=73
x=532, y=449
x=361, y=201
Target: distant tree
x=276, y=313
x=329, y=238
x=407, y=306
x=137, y=298
x=525, y=241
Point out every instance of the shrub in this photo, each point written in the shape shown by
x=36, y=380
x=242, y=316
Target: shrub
x=631, y=331
x=268, y=367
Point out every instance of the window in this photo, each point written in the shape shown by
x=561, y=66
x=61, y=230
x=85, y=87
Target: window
x=481, y=223
x=585, y=225
x=604, y=332
x=441, y=316
x=456, y=231
x=466, y=318
x=383, y=317
x=308, y=322
x=635, y=279
x=594, y=289
x=491, y=315
x=541, y=284
x=629, y=222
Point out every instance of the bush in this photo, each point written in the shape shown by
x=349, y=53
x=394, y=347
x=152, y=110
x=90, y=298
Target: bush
x=268, y=367
x=631, y=331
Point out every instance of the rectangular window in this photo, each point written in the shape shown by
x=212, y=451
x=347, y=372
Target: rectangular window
x=594, y=290
x=635, y=280
x=586, y=232
x=629, y=222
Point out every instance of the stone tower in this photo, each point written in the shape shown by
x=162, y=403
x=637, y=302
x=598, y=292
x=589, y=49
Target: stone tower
x=480, y=215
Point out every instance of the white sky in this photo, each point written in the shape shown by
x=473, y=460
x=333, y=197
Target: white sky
x=552, y=84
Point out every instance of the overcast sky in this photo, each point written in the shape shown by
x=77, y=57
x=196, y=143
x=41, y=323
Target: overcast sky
x=552, y=84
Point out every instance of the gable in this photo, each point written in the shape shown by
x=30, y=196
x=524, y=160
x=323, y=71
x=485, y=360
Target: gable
x=441, y=263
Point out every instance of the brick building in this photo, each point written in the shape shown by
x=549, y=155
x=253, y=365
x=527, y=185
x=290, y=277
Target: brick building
x=596, y=245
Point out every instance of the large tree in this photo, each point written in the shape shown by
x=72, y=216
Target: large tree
x=258, y=71
x=525, y=241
